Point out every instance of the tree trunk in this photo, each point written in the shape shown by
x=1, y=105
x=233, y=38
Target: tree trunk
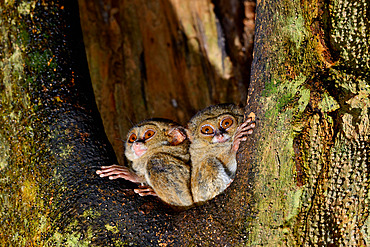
x=52, y=138
x=310, y=90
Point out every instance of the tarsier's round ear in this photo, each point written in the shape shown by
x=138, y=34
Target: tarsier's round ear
x=177, y=134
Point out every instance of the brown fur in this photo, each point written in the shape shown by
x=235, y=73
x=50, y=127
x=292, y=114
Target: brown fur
x=214, y=163
x=164, y=166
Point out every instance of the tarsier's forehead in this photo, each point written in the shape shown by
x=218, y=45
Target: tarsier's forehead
x=156, y=121
x=213, y=117
x=146, y=125
x=218, y=110
x=213, y=112
x=157, y=124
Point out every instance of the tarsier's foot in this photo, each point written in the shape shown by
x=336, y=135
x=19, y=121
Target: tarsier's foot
x=246, y=128
x=145, y=190
x=116, y=171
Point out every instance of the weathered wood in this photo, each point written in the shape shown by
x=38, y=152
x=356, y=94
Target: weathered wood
x=162, y=59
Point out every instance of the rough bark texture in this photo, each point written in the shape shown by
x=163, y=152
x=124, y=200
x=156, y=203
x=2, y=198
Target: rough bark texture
x=310, y=88
x=166, y=58
x=52, y=138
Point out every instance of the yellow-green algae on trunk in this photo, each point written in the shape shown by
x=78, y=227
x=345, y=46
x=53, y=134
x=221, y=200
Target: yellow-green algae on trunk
x=28, y=181
x=24, y=204
x=312, y=161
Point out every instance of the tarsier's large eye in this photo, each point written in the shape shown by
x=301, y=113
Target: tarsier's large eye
x=207, y=129
x=226, y=122
x=149, y=134
x=132, y=138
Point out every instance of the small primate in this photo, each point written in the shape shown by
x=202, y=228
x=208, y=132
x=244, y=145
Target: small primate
x=158, y=151
x=215, y=134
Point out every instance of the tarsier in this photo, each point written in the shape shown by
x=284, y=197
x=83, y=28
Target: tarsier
x=158, y=150
x=215, y=134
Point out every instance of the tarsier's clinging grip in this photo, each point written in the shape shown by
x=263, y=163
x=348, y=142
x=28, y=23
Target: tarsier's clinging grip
x=215, y=134
x=158, y=150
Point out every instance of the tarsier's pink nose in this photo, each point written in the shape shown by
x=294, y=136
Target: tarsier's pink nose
x=220, y=138
x=139, y=148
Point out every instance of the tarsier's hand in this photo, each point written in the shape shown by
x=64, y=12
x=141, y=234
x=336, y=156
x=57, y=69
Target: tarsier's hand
x=145, y=190
x=246, y=128
x=116, y=171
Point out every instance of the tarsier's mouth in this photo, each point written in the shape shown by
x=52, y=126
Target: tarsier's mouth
x=139, y=150
x=220, y=138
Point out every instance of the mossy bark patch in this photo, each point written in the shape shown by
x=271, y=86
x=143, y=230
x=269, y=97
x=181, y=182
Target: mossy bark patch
x=313, y=138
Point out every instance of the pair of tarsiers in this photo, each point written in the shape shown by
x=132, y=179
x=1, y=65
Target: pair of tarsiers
x=184, y=166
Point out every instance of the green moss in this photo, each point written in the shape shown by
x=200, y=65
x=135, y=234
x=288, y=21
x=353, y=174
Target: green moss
x=279, y=96
x=25, y=202
x=294, y=29
x=112, y=229
x=328, y=103
x=71, y=237
x=291, y=60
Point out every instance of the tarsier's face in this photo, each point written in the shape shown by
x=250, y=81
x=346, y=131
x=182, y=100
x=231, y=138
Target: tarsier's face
x=138, y=140
x=152, y=135
x=218, y=130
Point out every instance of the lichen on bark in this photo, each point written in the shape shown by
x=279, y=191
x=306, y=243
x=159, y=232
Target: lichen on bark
x=318, y=131
x=25, y=207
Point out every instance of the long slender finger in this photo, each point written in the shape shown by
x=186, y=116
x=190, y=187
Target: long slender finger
x=100, y=172
x=113, y=171
x=244, y=138
x=145, y=192
x=146, y=189
x=116, y=169
x=120, y=169
x=246, y=122
x=113, y=167
x=124, y=176
x=106, y=167
x=244, y=132
x=246, y=126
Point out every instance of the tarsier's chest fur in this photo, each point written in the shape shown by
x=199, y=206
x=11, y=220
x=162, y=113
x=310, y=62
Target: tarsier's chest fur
x=211, y=174
x=213, y=158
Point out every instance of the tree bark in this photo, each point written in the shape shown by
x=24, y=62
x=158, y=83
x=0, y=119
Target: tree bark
x=310, y=90
x=52, y=138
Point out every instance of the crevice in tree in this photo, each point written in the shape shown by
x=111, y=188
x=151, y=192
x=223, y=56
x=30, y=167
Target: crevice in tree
x=143, y=79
